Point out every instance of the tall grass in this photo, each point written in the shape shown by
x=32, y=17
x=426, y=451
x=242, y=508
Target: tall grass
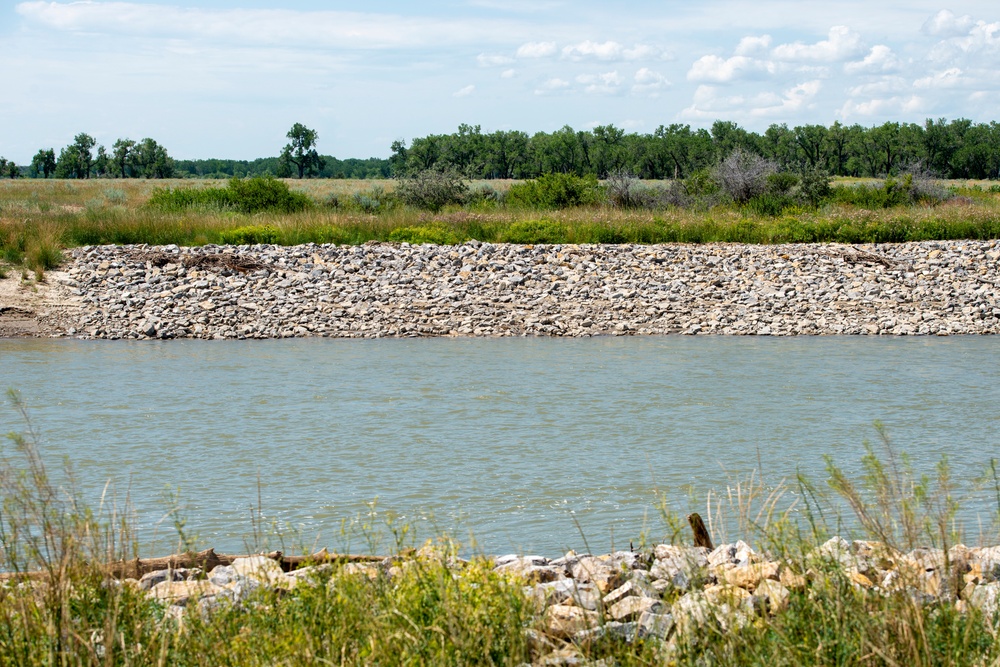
x=75, y=214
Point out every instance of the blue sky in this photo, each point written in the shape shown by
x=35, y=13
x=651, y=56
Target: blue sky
x=227, y=78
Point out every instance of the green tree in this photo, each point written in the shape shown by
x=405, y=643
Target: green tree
x=122, y=157
x=301, y=151
x=102, y=163
x=76, y=159
x=151, y=160
x=44, y=163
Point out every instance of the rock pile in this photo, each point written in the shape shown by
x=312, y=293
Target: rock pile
x=480, y=289
x=658, y=595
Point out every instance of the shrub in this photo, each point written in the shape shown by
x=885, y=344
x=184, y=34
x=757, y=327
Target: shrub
x=265, y=193
x=115, y=196
x=815, y=186
x=250, y=195
x=174, y=200
x=781, y=183
x=250, y=235
x=744, y=175
x=556, y=191
x=769, y=204
x=534, y=231
x=701, y=183
x=433, y=190
x=624, y=190
x=436, y=232
x=373, y=200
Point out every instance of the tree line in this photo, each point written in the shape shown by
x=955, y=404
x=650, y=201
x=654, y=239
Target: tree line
x=947, y=149
x=84, y=158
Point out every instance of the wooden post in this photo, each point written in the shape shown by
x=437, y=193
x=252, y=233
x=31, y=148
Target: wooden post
x=701, y=536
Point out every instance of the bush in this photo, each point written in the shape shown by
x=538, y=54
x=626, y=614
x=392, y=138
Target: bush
x=815, y=186
x=173, y=200
x=115, y=196
x=781, y=183
x=556, y=191
x=372, y=201
x=624, y=190
x=436, y=233
x=890, y=193
x=534, y=231
x=433, y=190
x=769, y=204
x=250, y=235
x=265, y=193
x=250, y=195
x=744, y=175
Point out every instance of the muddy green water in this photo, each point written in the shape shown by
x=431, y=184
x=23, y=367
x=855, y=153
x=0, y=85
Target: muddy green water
x=532, y=445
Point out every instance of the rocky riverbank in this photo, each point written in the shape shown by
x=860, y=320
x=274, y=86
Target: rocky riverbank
x=665, y=594
x=478, y=289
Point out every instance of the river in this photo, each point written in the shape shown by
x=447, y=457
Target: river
x=509, y=445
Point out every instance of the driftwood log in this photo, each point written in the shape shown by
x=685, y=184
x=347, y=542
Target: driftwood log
x=701, y=536
x=204, y=560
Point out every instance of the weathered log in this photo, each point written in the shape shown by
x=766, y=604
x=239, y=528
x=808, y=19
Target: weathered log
x=701, y=536
x=205, y=560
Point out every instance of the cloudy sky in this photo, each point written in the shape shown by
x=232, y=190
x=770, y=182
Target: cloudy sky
x=227, y=78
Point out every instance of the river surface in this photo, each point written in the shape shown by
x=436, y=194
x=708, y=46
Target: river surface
x=509, y=445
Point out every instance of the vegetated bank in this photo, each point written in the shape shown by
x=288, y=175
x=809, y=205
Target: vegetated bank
x=906, y=589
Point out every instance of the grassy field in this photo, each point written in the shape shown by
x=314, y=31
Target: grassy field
x=38, y=217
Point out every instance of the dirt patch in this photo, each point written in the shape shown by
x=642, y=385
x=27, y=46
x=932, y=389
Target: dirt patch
x=37, y=309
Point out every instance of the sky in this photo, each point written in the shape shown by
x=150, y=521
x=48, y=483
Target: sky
x=228, y=78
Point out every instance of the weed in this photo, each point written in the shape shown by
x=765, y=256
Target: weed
x=250, y=235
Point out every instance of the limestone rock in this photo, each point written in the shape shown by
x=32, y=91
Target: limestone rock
x=563, y=621
x=180, y=593
x=631, y=607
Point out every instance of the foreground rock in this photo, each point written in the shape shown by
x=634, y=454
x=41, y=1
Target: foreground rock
x=661, y=595
x=476, y=289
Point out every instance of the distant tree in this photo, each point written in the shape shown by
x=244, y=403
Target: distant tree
x=301, y=151
x=397, y=161
x=102, y=163
x=151, y=160
x=76, y=159
x=44, y=163
x=13, y=170
x=122, y=157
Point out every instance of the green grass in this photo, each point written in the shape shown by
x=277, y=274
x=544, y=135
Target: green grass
x=67, y=214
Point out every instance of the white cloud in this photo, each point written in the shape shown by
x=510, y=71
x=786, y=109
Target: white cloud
x=608, y=51
x=949, y=78
x=608, y=83
x=723, y=70
x=879, y=59
x=507, y=74
x=946, y=24
x=708, y=104
x=274, y=27
x=887, y=85
x=486, y=60
x=891, y=106
x=464, y=92
x=842, y=43
x=551, y=86
x=753, y=46
x=648, y=82
x=536, y=50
